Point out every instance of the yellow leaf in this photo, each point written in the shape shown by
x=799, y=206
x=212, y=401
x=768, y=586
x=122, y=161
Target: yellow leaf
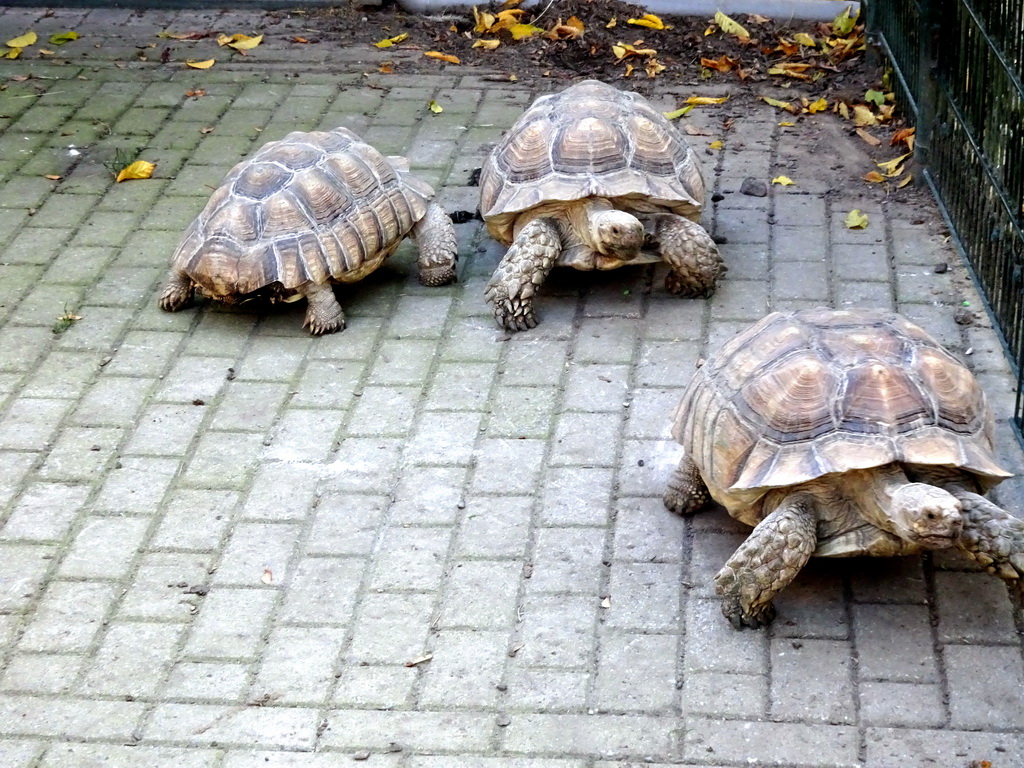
x=678, y=112
x=140, y=169
x=804, y=39
x=484, y=21
x=442, y=56
x=716, y=145
x=509, y=17
x=817, y=106
x=435, y=107
x=23, y=41
x=522, y=31
x=490, y=45
x=223, y=39
x=246, y=43
x=863, y=116
x=710, y=30
x=648, y=20
x=653, y=67
x=611, y=23
x=905, y=180
x=781, y=105
x=856, y=220
x=874, y=177
x=729, y=26
x=706, y=100
x=891, y=167
x=200, y=64
x=60, y=38
x=619, y=51
x=844, y=23
x=785, y=181
x=787, y=125
x=11, y=53
x=389, y=41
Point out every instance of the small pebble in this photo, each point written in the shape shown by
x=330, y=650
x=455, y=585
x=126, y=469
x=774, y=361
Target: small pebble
x=504, y=720
x=941, y=268
x=754, y=187
x=362, y=755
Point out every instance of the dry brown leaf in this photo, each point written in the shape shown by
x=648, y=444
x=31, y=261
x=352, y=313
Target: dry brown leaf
x=298, y=39
x=722, y=64
x=905, y=135
x=52, y=177
x=196, y=93
x=267, y=577
x=874, y=177
x=653, y=67
x=868, y=138
x=386, y=68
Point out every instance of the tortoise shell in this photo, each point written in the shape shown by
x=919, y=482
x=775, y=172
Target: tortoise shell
x=590, y=140
x=816, y=392
x=313, y=206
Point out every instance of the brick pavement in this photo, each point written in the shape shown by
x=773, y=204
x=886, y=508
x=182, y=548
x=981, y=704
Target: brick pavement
x=224, y=541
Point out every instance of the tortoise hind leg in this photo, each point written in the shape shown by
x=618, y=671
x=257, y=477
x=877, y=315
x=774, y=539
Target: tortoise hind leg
x=769, y=559
x=439, y=250
x=691, y=254
x=521, y=272
x=178, y=292
x=686, y=492
x=324, y=314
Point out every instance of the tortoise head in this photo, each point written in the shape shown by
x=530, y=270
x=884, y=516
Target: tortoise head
x=617, y=234
x=927, y=516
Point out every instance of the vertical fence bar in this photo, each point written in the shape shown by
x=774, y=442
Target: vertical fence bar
x=927, y=65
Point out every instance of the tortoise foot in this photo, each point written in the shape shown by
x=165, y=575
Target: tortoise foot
x=177, y=294
x=752, y=618
x=324, y=314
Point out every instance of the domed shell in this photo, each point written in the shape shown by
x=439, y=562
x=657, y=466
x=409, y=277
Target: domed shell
x=589, y=140
x=801, y=395
x=313, y=206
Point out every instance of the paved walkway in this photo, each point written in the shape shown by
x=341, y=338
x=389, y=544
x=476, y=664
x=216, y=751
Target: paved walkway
x=227, y=544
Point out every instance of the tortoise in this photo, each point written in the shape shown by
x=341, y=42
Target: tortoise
x=302, y=212
x=839, y=433
x=593, y=178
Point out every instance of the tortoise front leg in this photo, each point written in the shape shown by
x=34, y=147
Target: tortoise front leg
x=770, y=558
x=991, y=537
x=686, y=492
x=692, y=255
x=178, y=291
x=521, y=272
x=435, y=238
x=323, y=315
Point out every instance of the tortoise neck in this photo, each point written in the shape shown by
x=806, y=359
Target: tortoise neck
x=583, y=220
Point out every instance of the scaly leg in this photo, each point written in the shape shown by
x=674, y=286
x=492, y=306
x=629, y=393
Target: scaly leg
x=323, y=315
x=692, y=255
x=686, y=491
x=439, y=251
x=522, y=270
x=992, y=537
x=177, y=292
x=770, y=558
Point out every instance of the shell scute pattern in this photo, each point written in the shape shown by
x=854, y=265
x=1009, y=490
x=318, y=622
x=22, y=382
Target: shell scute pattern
x=801, y=395
x=610, y=144
x=312, y=207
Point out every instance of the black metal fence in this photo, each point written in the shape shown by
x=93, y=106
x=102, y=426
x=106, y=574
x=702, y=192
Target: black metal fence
x=959, y=66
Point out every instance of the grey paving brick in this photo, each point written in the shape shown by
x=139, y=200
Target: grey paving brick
x=812, y=681
x=984, y=682
x=230, y=624
x=495, y=527
x=646, y=531
x=257, y=553
x=918, y=748
x=712, y=645
x=636, y=672
x=410, y=558
x=103, y=548
x=289, y=728
x=44, y=512
x=71, y=755
x=414, y=731
x=30, y=423
x=585, y=735
x=766, y=742
x=576, y=496
x=392, y=628
x=132, y=659
x=323, y=590
x=298, y=664
x=381, y=687
x=223, y=460
x=429, y=496
x=535, y=363
x=480, y=594
x=364, y=465
x=972, y=608
x=666, y=364
x=160, y=587
x=521, y=412
x=568, y=560
x=644, y=596
x=70, y=718
x=43, y=673
x=195, y=520
x=725, y=694
x=507, y=466
x=530, y=689
x=465, y=669
x=894, y=643
x=585, y=439
x=557, y=631
x=594, y=388
x=68, y=617
x=907, y=705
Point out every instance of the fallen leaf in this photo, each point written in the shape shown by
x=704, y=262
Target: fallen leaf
x=804, y=39
x=490, y=45
x=868, y=138
x=298, y=39
x=22, y=41
x=419, y=660
x=653, y=67
x=200, y=64
x=650, y=21
x=723, y=64
x=246, y=43
x=195, y=94
x=875, y=97
x=570, y=30
x=791, y=69
x=678, y=112
x=10, y=53
x=611, y=24
x=523, y=31
x=856, y=220
x=693, y=130
x=904, y=181
x=817, y=106
x=606, y=602
x=863, y=116
x=267, y=577
x=844, y=23
x=168, y=35
x=758, y=18
x=45, y=52
x=434, y=107
x=843, y=109
x=52, y=177
x=716, y=145
x=389, y=41
x=386, y=68
x=442, y=56
x=781, y=105
x=140, y=169
x=704, y=100
x=205, y=130
x=874, y=177
x=731, y=27
x=63, y=37
x=484, y=21
x=891, y=167
x=905, y=135
x=784, y=181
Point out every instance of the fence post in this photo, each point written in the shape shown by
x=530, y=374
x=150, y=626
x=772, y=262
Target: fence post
x=927, y=73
